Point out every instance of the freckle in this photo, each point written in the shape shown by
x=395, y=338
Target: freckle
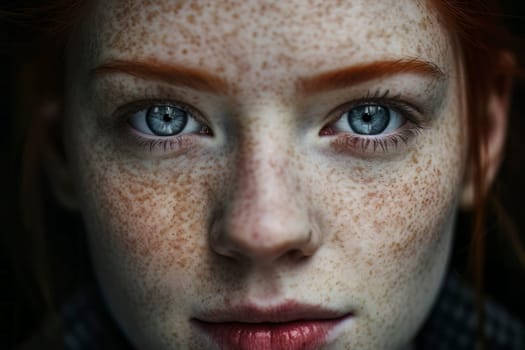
x=191, y=19
x=196, y=7
x=182, y=262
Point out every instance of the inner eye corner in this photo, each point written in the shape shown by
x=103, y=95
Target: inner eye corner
x=327, y=130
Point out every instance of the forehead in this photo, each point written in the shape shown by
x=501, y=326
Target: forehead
x=253, y=38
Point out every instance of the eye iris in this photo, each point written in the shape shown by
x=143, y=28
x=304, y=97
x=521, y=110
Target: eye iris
x=166, y=120
x=368, y=119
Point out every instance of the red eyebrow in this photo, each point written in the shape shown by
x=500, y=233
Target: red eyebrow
x=169, y=73
x=344, y=77
x=201, y=80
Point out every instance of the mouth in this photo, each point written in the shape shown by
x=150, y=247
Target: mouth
x=287, y=326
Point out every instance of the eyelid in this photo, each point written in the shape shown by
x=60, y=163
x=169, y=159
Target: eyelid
x=406, y=109
x=121, y=114
x=147, y=145
x=381, y=145
x=371, y=147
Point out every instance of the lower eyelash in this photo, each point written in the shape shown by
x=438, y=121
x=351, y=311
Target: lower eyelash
x=376, y=144
x=164, y=145
x=167, y=144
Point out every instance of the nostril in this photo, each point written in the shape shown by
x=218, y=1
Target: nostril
x=297, y=255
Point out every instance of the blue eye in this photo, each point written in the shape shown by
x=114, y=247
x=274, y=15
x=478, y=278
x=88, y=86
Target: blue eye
x=165, y=120
x=369, y=119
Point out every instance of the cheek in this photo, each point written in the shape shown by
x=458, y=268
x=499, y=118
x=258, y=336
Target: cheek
x=392, y=221
x=147, y=220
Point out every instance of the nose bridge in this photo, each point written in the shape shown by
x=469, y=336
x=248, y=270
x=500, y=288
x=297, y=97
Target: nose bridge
x=264, y=218
x=262, y=194
x=264, y=162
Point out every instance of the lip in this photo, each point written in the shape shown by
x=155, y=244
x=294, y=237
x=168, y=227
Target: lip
x=287, y=326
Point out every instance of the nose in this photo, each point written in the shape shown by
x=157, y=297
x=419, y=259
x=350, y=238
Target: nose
x=266, y=216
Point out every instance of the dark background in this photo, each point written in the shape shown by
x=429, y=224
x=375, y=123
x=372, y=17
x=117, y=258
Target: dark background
x=505, y=273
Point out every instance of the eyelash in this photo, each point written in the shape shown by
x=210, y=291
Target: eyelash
x=151, y=144
x=363, y=144
x=343, y=142
x=164, y=145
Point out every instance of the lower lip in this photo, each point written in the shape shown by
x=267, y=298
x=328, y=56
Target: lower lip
x=293, y=335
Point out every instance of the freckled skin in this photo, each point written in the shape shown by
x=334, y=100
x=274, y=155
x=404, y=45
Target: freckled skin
x=266, y=210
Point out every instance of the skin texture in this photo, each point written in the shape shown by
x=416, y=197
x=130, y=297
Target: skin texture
x=275, y=205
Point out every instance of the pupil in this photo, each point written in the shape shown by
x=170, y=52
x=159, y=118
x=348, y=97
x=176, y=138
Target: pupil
x=367, y=118
x=166, y=117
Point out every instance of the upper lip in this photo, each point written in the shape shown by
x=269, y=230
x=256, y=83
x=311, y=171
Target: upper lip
x=285, y=312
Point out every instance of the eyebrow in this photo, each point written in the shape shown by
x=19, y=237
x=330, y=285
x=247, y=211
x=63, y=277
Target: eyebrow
x=344, y=77
x=170, y=73
x=334, y=79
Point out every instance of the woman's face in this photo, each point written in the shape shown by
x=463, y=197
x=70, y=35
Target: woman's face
x=266, y=174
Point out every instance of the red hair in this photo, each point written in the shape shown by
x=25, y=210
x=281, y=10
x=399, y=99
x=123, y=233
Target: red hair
x=482, y=40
